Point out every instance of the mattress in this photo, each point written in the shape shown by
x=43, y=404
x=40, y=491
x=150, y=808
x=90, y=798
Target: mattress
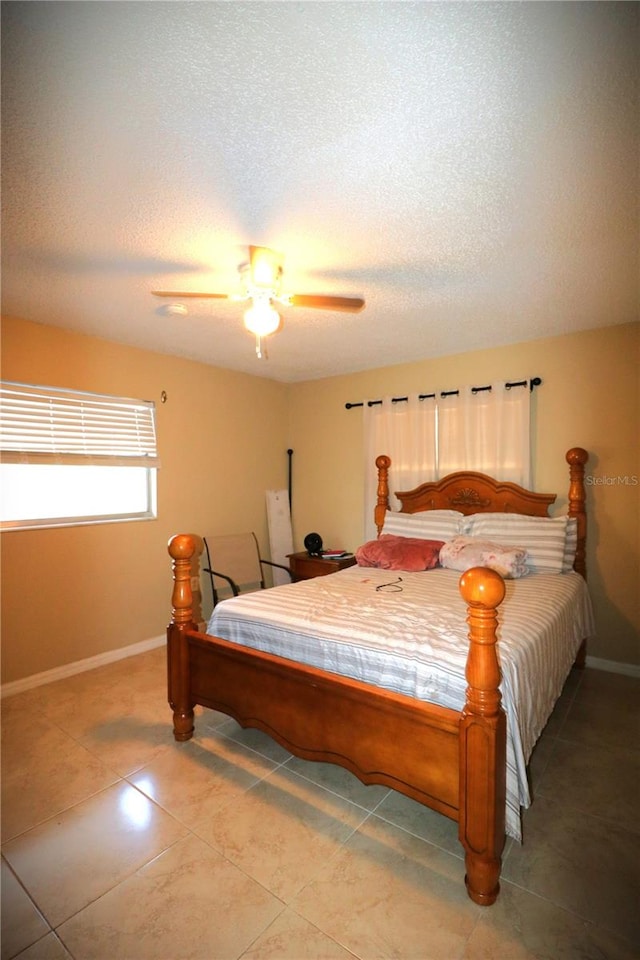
x=407, y=632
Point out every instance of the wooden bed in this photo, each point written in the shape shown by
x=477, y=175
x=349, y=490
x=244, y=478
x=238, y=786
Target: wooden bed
x=453, y=762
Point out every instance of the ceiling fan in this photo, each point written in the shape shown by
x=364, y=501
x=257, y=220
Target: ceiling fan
x=261, y=283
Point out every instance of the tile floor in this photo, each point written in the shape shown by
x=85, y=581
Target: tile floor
x=119, y=844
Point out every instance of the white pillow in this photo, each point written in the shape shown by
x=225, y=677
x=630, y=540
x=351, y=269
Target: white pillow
x=543, y=538
x=428, y=525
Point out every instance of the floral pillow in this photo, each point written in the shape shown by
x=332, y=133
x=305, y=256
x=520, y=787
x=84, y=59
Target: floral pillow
x=462, y=553
x=399, y=553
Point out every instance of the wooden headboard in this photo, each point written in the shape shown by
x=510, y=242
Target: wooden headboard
x=471, y=492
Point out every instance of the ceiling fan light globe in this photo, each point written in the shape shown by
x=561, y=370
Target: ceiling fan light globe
x=262, y=319
x=263, y=275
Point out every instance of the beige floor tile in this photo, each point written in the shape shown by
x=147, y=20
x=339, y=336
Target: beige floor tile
x=391, y=889
x=421, y=821
x=593, y=722
x=252, y=738
x=291, y=937
x=603, y=782
x=390, y=895
x=282, y=831
x=142, y=670
x=581, y=863
x=22, y=922
x=75, y=700
x=49, y=948
x=119, y=712
x=23, y=707
x=74, y=858
x=196, y=779
x=44, y=771
x=612, y=690
x=339, y=781
x=212, y=718
x=131, y=740
x=44, y=695
x=23, y=736
x=92, y=705
x=189, y=903
x=523, y=926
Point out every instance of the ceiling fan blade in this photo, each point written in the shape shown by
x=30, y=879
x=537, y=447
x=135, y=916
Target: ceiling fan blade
x=351, y=304
x=188, y=293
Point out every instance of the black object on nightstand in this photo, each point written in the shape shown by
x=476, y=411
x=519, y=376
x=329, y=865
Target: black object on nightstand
x=313, y=544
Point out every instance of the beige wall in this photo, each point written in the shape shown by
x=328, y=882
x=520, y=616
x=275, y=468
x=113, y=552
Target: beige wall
x=589, y=398
x=73, y=593
x=77, y=592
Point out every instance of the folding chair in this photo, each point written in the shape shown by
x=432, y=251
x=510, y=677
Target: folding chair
x=235, y=559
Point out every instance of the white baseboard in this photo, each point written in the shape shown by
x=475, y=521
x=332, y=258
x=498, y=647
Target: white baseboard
x=614, y=666
x=79, y=666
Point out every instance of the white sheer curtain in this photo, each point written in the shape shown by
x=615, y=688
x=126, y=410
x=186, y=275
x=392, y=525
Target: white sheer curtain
x=483, y=430
x=486, y=430
x=406, y=432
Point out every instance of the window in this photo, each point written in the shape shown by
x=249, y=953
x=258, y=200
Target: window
x=72, y=458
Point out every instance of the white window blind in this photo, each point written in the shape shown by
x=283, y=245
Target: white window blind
x=47, y=425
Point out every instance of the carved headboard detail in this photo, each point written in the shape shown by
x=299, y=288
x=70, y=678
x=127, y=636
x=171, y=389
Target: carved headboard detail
x=471, y=492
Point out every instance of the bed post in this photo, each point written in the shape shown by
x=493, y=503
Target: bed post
x=382, y=504
x=181, y=550
x=577, y=458
x=482, y=740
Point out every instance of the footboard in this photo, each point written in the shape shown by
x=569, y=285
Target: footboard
x=454, y=763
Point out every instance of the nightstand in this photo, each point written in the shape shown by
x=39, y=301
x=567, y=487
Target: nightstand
x=304, y=567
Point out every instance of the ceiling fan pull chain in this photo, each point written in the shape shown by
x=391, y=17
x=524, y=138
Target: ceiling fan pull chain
x=260, y=352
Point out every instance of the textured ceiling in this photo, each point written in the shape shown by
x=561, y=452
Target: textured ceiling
x=471, y=169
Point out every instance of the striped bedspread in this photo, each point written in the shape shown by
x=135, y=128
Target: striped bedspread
x=414, y=642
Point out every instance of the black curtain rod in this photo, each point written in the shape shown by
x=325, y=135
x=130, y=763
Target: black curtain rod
x=534, y=382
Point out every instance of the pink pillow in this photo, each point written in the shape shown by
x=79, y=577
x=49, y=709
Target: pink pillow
x=399, y=553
